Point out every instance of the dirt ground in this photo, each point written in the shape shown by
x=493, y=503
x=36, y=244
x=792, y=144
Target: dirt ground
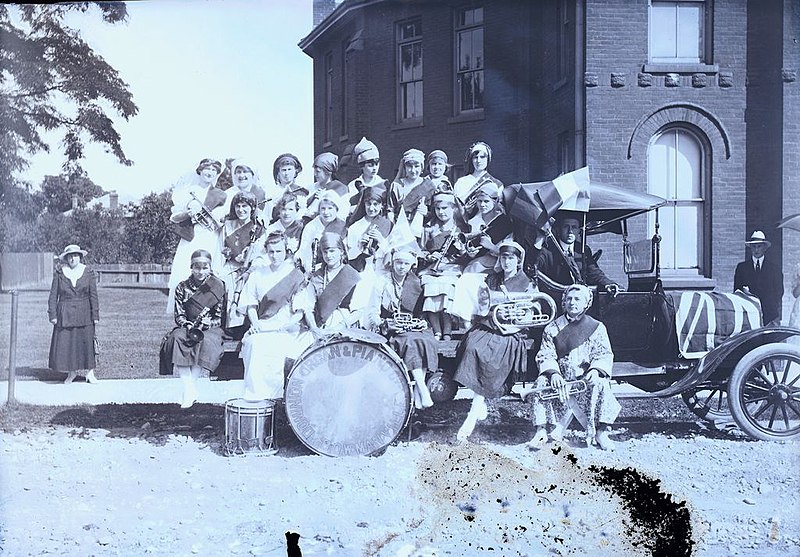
x=152, y=479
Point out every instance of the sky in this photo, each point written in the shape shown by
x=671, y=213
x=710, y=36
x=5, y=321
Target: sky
x=211, y=78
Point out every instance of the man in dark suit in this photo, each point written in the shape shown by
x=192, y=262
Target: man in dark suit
x=762, y=278
x=563, y=261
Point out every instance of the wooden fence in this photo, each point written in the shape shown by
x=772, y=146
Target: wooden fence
x=130, y=274
x=26, y=271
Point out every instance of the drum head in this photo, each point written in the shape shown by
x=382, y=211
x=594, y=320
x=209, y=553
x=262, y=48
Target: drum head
x=348, y=398
x=360, y=335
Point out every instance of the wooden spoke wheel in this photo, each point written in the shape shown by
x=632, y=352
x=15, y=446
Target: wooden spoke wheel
x=709, y=403
x=764, y=392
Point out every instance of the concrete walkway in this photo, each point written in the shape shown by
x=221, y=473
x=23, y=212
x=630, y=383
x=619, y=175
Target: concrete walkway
x=118, y=391
x=165, y=390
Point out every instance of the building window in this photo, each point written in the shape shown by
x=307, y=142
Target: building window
x=565, y=158
x=327, y=113
x=409, y=70
x=345, y=86
x=677, y=172
x=678, y=32
x=469, y=59
x=564, y=44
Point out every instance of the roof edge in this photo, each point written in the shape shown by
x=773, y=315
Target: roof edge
x=338, y=13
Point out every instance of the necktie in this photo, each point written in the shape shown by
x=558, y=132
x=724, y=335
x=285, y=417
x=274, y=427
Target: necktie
x=758, y=266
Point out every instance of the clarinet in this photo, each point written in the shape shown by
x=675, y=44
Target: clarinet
x=446, y=247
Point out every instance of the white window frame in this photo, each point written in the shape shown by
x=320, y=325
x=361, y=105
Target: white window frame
x=703, y=54
x=477, y=71
x=415, y=81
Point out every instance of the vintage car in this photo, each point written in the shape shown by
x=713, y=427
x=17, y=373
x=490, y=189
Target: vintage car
x=708, y=347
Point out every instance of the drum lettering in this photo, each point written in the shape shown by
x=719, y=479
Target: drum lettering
x=369, y=353
x=346, y=352
x=334, y=351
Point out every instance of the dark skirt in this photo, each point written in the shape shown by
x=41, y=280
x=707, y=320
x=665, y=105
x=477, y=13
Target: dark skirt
x=419, y=350
x=486, y=359
x=72, y=348
x=206, y=353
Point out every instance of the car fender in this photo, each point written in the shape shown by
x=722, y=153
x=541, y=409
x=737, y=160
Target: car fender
x=726, y=355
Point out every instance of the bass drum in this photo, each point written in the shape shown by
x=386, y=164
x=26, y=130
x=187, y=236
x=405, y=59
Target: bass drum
x=348, y=397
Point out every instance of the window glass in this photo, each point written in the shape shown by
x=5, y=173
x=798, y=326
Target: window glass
x=677, y=31
x=469, y=59
x=409, y=54
x=675, y=172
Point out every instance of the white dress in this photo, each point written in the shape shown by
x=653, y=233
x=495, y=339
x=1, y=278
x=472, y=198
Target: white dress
x=264, y=353
x=203, y=239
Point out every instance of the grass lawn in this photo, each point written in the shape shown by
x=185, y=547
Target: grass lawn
x=132, y=324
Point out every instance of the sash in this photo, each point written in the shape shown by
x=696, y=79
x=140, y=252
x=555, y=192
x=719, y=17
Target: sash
x=297, y=190
x=207, y=295
x=238, y=240
x=518, y=283
x=280, y=294
x=338, y=291
x=411, y=295
x=574, y=334
x=335, y=227
x=215, y=197
x=422, y=190
x=294, y=230
x=470, y=198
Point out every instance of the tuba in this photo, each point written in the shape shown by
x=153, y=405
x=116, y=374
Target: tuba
x=526, y=309
x=203, y=216
x=195, y=333
x=550, y=393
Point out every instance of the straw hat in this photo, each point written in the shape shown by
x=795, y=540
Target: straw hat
x=758, y=237
x=72, y=248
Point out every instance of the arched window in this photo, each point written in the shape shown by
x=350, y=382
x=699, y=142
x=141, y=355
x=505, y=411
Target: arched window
x=676, y=164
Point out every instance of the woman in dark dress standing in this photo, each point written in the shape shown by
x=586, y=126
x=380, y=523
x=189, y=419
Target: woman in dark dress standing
x=74, y=312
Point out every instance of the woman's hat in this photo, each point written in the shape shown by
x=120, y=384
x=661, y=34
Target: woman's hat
x=366, y=150
x=72, y=248
x=758, y=237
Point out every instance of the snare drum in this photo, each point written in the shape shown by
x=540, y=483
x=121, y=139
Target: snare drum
x=249, y=427
x=346, y=397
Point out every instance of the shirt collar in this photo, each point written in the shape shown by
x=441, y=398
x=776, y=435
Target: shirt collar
x=567, y=248
x=759, y=260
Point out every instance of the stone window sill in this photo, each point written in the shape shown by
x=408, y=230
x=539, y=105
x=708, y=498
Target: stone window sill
x=409, y=124
x=471, y=116
x=680, y=68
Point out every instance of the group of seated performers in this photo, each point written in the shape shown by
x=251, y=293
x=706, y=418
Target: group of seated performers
x=411, y=258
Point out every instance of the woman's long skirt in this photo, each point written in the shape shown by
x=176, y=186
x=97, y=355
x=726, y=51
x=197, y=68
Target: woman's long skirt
x=72, y=348
x=486, y=359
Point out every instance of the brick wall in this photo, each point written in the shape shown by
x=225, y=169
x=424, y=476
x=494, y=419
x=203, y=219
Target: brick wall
x=791, y=141
x=616, y=33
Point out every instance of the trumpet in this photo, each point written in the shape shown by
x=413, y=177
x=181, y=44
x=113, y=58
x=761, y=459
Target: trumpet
x=370, y=246
x=195, y=333
x=203, y=216
x=406, y=322
x=512, y=312
x=551, y=393
x=446, y=248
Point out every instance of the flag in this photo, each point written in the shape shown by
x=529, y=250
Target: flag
x=704, y=320
x=535, y=203
x=400, y=237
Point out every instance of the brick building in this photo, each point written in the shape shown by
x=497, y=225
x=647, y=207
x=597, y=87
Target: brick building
x=696, y=101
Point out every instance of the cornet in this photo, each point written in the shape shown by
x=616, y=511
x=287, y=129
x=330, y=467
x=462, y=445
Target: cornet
x=203, y=216
x=370, y=246
x=521, y=309
x=406, y=322
x=195, y=333
x=551, y=393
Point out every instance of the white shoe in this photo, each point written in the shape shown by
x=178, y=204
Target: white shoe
x=466, y=429
x=90, y=378
x=70, y=377
x=604, y=441
x=558, y=433
x=481, y=410
x=538, y=440
x=188, y=401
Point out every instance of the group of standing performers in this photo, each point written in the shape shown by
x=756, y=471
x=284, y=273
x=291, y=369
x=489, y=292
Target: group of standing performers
x=283, y=265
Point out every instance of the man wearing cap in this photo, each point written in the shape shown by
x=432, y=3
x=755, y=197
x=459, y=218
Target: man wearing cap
x=563, y=261
x=762, y=278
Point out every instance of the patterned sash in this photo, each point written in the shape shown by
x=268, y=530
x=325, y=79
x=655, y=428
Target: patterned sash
x=207, y=295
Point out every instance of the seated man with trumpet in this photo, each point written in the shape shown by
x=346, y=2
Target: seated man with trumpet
x=195, y=343
x=494, y=348
x=575, y=363
x=396, y=309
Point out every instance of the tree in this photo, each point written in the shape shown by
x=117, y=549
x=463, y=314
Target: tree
x=58, y=191
x=52, y=80
x=148, y=234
